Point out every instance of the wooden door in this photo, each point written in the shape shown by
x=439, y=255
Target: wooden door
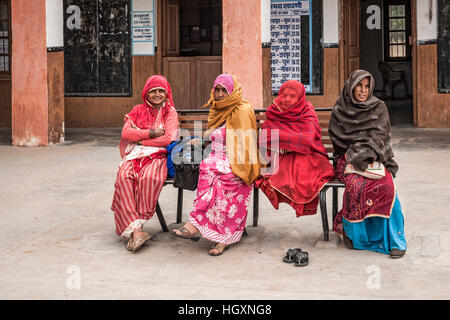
x=171, y=28
x=180, y=72
x=208, y=68
x=350, y=37
x=191, y=79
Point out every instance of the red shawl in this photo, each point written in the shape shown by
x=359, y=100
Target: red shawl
x=144, y=115
x=304, y=171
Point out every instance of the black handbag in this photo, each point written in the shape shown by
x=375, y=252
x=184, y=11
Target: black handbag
x=187, y=167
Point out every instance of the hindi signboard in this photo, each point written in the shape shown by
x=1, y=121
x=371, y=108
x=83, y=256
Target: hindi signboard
x=290, y=37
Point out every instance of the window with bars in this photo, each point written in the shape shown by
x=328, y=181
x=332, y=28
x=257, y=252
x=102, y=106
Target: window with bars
x=5, y=37
x=397, y=29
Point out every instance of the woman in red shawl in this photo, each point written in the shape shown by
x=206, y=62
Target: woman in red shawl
x=148, y=130
x=301, y=162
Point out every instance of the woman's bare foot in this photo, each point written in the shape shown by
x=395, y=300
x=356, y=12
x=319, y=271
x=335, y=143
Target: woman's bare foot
x=137, y=233
x=218, y=249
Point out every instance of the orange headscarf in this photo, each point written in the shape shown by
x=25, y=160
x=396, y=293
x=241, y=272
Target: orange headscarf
x=241, y=134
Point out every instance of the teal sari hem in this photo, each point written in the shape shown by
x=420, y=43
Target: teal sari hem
x=377, y=233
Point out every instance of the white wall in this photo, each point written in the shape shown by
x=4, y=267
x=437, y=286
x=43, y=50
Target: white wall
x=265, y=21
x=330, y=21
x=426, y=28
x=55, y=16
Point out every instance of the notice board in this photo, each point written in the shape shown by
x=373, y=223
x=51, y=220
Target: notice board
x=143, y=27
x=443, y=46
x=291, y=42
x=97, y=48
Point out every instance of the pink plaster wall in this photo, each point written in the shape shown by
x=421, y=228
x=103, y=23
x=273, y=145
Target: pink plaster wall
x=29, y=73
x=242, y=48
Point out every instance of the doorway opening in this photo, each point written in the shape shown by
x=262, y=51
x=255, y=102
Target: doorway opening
x=191, y=49
x=385, y=51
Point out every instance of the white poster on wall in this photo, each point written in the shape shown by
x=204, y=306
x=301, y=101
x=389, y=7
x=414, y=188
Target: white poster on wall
x=143, y=27
x=286, y=42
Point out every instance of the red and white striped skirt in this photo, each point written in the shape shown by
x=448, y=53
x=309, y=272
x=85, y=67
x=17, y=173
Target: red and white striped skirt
x=136, y=195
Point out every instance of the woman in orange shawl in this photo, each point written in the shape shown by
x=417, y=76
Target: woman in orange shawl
x=227, y=174
x=303, y=165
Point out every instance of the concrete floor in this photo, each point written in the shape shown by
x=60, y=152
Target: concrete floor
x=58, y=239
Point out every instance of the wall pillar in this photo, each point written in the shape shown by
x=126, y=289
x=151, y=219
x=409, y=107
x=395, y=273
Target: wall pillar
x=242, y=49
x=37, y=90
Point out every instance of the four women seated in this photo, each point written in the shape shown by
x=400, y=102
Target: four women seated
x=371, y=216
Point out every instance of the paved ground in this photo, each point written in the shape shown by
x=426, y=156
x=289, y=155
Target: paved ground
x=58, y=239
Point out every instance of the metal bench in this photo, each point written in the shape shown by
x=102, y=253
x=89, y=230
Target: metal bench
x=190, y=120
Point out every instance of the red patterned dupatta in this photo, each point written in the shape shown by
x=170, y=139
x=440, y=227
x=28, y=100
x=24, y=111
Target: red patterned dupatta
x=305, y=169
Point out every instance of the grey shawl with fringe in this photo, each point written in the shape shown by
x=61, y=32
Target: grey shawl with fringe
x=361, y=130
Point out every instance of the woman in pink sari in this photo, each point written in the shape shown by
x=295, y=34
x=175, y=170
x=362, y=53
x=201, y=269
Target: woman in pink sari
x=148, y=129
x=225, y=184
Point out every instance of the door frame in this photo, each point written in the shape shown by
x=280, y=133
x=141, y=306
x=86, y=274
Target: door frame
x=412, y=41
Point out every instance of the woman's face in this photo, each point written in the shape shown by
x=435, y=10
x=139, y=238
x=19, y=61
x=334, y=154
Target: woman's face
x=220, y=93
x=157, y=96
x=290, y=97
x=361, y=90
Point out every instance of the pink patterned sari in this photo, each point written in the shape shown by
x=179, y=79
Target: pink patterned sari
x=220, y=207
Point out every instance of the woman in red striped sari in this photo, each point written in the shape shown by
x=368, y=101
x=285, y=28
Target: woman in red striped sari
x=148, y=130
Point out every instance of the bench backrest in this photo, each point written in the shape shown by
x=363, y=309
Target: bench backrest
x=194, y=119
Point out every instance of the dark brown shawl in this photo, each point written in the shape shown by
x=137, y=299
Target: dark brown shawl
x=361, y=130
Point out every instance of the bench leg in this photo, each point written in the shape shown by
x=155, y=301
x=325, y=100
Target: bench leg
x=255, y=206
x=323, y=211
x=162, y=221
x=180, y=205
x=335, y=204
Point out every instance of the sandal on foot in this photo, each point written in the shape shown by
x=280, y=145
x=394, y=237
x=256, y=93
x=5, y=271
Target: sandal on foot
x=184, y=233
x=347, y=241
x=220, y=247
x=290, y=255
x=139, y=242
x=301, y=259
x=397, y=253
x=130, y=244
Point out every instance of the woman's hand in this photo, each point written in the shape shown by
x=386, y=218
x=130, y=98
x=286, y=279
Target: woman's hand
x=359, y=165
x=195, y=142
x=283, y=151
x=155, y=133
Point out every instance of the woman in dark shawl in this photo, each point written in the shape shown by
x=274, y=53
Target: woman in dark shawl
x=371, y=217
x=303, y=165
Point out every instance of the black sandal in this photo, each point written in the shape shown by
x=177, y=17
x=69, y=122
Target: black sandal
x=301, y=259
x=397, y=253
x=290, y=255
x=347, y=241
